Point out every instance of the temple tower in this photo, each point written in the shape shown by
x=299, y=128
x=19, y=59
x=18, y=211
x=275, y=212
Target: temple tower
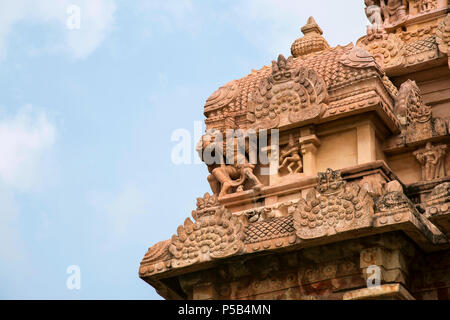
x=352, y=198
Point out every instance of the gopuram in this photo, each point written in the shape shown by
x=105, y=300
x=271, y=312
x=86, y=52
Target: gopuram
x=352, y=200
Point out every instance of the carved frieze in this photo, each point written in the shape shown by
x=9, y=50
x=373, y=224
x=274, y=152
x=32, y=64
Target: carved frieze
x=337, y=207
x=289, y=95
x=210, y=237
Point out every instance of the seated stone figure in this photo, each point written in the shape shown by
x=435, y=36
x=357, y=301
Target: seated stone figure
x=394, y=11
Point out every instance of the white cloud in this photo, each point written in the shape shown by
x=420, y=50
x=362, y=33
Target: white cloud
x=121, y=208
x=24, y=138
x=97, y=17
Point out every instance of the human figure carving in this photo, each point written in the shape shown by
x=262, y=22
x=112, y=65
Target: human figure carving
x=373, y=13
x=223, y=177
x=426, y=5
x=431, y=158
x=290, y=157
x=394, y=11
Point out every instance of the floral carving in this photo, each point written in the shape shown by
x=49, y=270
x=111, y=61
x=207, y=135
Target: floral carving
x=338, y=207
x=210, y=237
x=432, y=160
x=288, y=95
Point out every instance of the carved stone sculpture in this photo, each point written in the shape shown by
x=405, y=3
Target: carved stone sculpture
x=206, y=206
x=409, y=106
x=425, y=5
x=394, y=11
x=338, y=207
x=290, y=157
x=209, y=237
x=373, y=13
x=432, y=160
x=289, y=95
x=224, y=177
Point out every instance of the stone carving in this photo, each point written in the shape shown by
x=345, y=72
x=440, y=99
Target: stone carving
x=409, y=106
x=394, y=12
x=415, y=117
x=373, y=13
x=311, y=42
x=440, y=194
x=157, y=258
x=290, y=157
x=338, y=207
x=393, y=198
x=387, y=49
x=443, y=36
x=432, y=161
x=159, y=252
x=206, y=206
x=224, y=177
x=424, y=6
x=289, y=95
x=209, y=237
x=359, y=58
x=223, y=96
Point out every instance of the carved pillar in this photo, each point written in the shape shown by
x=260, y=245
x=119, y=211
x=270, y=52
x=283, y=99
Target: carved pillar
x=309, y=143
x=366, y=143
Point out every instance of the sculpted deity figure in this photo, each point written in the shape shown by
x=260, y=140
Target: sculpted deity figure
x=426, y=5
x=225, y=175
x=373, y=13
x=394, y=11
x=290, y=157
x=432, y=160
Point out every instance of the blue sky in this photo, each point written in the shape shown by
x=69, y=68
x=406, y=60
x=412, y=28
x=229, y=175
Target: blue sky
x=86, y=118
